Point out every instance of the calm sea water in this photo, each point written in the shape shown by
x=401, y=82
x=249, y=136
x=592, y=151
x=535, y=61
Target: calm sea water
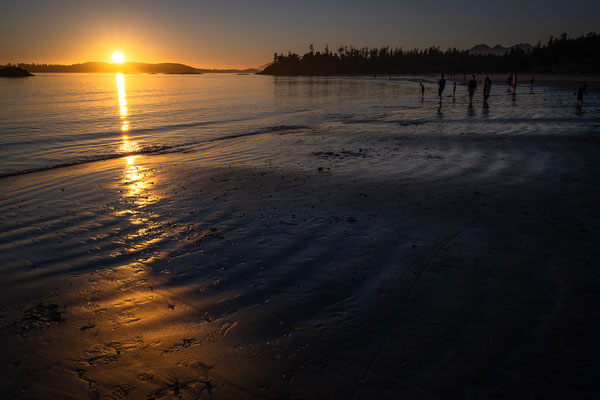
x=54, y=120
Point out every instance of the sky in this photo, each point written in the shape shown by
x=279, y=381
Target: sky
x=244, y=33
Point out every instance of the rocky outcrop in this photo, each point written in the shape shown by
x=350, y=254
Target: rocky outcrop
x=14, y=72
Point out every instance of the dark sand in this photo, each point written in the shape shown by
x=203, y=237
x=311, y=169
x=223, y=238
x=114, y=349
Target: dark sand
x=307, y=266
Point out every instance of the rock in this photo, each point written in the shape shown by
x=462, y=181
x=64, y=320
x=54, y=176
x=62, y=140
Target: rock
x=14, y=72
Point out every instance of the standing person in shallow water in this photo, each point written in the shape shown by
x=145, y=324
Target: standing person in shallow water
x=581, y=90
x=487, y=88
x=472, y=87
x=441, y=85
x=422, y=88
x=454, y=90
x=514, y=82
x=509, y=81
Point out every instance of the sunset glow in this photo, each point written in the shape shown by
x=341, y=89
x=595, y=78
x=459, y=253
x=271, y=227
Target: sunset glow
x=299, y=199
x=118, y=57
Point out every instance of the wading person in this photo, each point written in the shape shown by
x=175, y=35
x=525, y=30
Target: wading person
x=441, y=85
x=514, y=82
x=487, y=88
x=454, y=90
x=472, y=88
x=422, y=89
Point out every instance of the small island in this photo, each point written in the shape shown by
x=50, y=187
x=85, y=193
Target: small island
x=14, y=72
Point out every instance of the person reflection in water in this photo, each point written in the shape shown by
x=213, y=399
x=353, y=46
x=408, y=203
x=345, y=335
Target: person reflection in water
x=470, y=110
x=581, y=90
x=485, y=111
x=532, y=82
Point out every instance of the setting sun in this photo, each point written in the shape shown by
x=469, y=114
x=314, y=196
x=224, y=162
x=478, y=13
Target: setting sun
x=118, y=57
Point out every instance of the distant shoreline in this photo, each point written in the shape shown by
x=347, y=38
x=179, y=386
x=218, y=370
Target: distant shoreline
x=562, y=80
x=127, y=67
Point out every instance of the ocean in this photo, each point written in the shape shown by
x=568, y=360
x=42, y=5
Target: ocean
x=55, y=120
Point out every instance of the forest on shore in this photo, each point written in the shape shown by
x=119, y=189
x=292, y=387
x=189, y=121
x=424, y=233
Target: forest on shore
x=559, y=55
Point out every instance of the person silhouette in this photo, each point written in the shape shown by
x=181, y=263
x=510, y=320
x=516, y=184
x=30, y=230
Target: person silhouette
x=454, y=90
x=487, y=88
x=472, y=88
x=514, y=82
x=422, y=88
x=441, y=85
x=509, y=81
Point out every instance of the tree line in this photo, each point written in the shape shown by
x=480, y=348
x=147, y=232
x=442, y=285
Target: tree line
x=558, y=55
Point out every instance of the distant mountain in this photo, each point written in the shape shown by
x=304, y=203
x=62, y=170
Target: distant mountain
x=498, y=50
x=262, y=67
x=229, y=71
x=128, y=68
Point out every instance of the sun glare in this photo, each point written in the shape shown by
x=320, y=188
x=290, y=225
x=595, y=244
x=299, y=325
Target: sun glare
x=118, y=57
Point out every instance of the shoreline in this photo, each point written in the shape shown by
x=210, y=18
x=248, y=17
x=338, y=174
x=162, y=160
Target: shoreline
x=306, y=265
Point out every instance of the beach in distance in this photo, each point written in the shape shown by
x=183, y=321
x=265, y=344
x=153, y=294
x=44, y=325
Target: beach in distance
x=225, y=236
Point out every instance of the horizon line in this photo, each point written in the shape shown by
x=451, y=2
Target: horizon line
x=125, y=62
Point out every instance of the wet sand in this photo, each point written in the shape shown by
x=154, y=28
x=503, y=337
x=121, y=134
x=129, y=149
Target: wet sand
x=307, y=266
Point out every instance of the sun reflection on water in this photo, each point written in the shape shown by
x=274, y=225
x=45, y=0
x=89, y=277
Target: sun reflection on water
x=128, y=146
x=123, y=110
x=137, y=180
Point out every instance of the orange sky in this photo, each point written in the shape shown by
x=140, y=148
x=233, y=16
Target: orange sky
x=242, y=34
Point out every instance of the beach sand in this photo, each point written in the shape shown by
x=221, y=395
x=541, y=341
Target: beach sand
x=307, y=266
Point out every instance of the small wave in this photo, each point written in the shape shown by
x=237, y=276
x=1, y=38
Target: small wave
x=100, y=157
x=269, y=129
x=382, y=121
x=132, y=131
x=154, y=149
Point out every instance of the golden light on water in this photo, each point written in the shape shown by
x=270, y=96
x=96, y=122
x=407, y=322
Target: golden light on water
x=122, y=98
x=138, y=180
x=128, y=146
x=118, y=57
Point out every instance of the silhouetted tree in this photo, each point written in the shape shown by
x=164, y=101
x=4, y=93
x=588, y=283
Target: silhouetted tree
x=558, y=55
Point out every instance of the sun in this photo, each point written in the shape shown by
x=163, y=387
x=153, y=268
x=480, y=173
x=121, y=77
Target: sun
x=118, y=57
